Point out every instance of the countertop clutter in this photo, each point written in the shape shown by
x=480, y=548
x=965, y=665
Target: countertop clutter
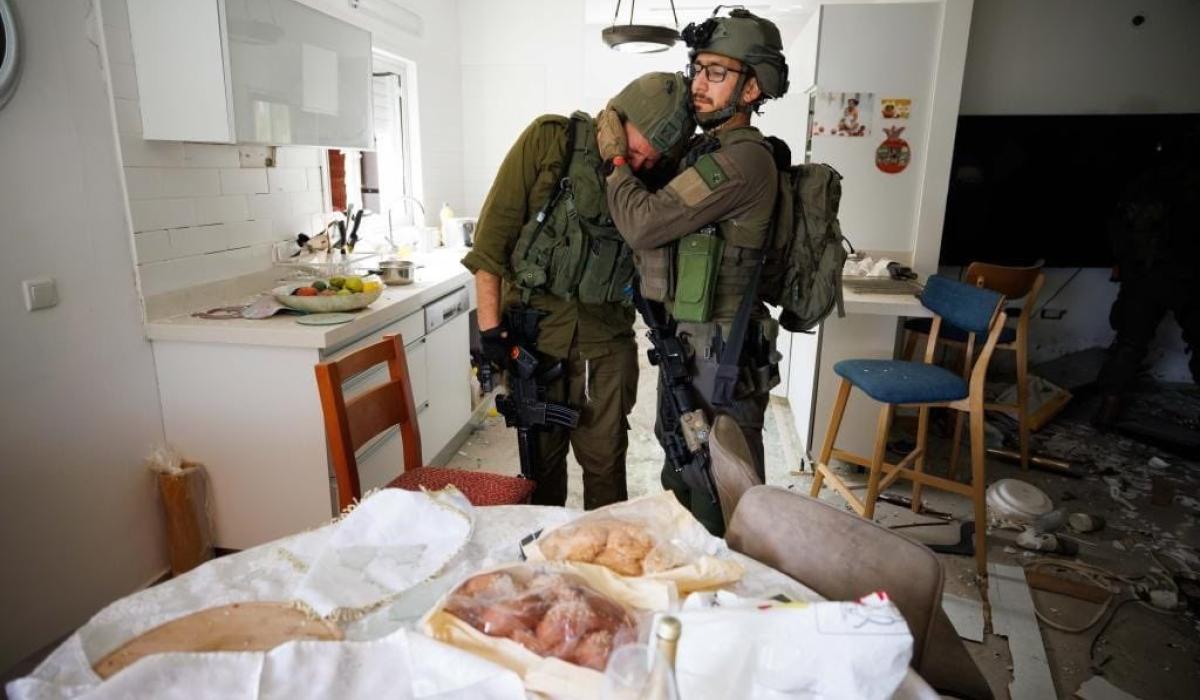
x=440, y=273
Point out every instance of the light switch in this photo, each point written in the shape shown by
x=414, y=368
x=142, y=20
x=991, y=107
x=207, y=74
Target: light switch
x=40, y=293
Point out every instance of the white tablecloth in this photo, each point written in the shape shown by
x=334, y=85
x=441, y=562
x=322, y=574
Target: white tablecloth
x=273, y=571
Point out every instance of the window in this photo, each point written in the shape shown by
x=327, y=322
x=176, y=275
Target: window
x=381, y=181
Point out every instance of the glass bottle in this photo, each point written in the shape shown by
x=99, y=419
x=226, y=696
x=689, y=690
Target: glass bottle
x=661, y=685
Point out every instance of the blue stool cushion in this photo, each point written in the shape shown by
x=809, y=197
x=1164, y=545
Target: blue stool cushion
x=950, y=331
x=896, y=381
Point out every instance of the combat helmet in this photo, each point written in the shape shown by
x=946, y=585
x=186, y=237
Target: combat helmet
x=659, y=105
x=745, y=37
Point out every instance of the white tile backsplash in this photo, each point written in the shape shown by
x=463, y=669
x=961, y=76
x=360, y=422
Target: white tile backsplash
x=248, y=233
x=210, y=155
x=244, y=181
x=287, y=179
x=161, y=183
x=201, y=213
x=152, y=246
x=151, y=214
x=137, y=152
x=199, y=239
x=220, y=210
x=297, y=157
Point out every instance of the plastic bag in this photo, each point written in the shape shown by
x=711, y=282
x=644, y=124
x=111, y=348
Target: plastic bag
x=553, y=623
x=184, y=490
x=651, y=537
x=549, y=613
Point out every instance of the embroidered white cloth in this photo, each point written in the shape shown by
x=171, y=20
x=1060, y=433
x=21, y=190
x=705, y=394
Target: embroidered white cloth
x=391, y=541
x=274, y=571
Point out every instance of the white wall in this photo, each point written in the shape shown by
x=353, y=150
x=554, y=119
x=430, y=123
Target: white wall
x=80, y=523
x=889, y=50
x=525, y=58
x=1083, y=57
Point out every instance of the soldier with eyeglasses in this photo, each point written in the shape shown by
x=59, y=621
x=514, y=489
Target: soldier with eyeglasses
x=698, y=240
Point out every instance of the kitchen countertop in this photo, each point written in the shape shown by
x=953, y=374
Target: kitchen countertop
x=441, y=274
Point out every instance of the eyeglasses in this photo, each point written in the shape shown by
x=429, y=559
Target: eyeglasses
x=713, y=72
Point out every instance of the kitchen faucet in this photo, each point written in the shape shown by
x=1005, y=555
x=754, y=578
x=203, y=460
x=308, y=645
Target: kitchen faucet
x=404, y=198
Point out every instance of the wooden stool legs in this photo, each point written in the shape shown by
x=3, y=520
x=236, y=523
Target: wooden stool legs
x=835, y=423
x=881, y=436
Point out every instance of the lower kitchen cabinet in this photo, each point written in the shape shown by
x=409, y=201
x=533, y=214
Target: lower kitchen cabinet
x=251, y=414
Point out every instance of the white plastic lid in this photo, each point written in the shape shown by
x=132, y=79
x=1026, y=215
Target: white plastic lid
x=1017, y=500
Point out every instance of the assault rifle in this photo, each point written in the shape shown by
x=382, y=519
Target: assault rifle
x=525, y=407
x=682, y=421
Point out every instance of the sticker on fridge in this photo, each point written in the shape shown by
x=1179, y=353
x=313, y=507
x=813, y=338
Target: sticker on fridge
x=843, y=114
x=895, y=107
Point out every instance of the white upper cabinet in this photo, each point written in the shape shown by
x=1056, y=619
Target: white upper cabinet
x=251, y=71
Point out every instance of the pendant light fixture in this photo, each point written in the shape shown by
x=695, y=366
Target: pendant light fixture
x=639, y=38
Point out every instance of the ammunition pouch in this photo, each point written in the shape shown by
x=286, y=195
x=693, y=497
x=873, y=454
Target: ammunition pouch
x=571, y=249
x=699, y=261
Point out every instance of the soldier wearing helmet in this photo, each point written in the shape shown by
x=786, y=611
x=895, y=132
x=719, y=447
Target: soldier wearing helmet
x=545, y=239
x=698, y=241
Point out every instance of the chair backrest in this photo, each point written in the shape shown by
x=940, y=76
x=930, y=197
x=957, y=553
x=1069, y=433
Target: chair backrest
x=349, y=424
x=838, y=554
x=844, y=557
x=732, y=464
x=969, y=307
x=1014, y=283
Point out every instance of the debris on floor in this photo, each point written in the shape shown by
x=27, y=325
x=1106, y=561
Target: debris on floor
x=966, y=614
x=1096, y=688
x=1013, y=617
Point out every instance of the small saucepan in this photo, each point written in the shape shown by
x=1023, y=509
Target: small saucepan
x=394, y=272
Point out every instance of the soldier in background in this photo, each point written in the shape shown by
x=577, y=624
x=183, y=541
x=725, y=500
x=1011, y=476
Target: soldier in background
x=1156, y=241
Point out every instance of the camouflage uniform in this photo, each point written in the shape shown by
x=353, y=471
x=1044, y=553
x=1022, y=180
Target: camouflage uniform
x=595, y=340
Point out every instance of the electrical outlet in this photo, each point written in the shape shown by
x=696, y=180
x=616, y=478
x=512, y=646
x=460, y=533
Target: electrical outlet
x=1052, y=314
x=40, y=293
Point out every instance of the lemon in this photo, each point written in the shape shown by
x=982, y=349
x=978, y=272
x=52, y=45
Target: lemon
x=372, y=286
x=354, y=284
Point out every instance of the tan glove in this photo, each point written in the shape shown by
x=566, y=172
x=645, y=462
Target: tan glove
x=610, y=135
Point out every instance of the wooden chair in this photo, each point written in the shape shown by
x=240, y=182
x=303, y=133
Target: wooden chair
x=843, y=557
x=1014, y=283
x=349, y=424
x=921, y=385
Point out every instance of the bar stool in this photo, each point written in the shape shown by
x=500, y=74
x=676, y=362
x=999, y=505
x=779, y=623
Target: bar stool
x=921, y=385
x=1014, y=283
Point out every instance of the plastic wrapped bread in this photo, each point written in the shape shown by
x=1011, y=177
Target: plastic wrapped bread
x=651, y=537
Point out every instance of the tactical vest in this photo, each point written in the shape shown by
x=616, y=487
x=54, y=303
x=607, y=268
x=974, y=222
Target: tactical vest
x=682, y=274
x=571, y=248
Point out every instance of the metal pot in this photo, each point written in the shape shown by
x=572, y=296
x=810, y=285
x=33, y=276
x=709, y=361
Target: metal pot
x=395, y=272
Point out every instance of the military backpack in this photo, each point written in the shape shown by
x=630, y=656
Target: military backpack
x=802, y=272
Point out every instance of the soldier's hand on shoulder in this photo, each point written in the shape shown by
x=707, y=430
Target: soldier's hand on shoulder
x=610, y=135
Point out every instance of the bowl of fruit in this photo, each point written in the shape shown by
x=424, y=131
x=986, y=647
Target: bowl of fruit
x=333, y=294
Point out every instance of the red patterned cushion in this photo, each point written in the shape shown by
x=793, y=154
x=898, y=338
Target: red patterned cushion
x=480, y=488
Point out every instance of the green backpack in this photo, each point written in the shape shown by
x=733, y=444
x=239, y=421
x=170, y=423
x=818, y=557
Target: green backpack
x=802, y=271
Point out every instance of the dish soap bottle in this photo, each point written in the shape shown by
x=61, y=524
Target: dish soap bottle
x=444, y=230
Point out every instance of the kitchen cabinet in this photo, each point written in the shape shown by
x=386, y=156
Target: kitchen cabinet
x=251, y=414
x=251, y=71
